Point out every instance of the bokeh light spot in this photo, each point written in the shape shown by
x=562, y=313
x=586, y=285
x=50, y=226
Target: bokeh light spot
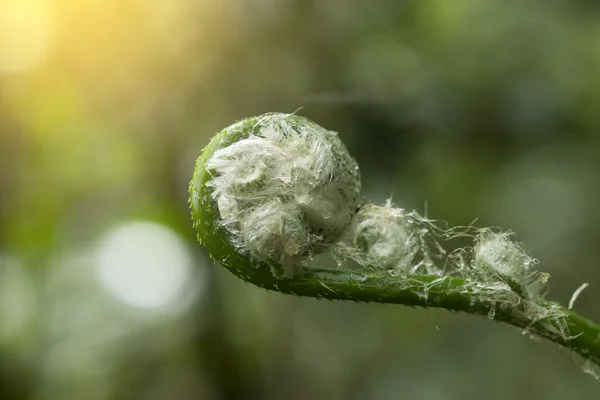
x=144, y=265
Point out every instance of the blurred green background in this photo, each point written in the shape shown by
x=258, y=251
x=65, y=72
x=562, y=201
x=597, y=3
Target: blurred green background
x=471, y=109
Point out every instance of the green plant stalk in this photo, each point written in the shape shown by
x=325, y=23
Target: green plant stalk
x=453, y=293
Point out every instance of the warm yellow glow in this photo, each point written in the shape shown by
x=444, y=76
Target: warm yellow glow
x=65, y=61
x=26, y=31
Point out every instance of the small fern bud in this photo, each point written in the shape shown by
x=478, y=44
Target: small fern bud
x=497, y=257
x=278, y=188
x=382, y=234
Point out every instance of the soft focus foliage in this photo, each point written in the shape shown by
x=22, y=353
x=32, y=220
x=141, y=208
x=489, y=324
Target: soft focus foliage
x=468, y=109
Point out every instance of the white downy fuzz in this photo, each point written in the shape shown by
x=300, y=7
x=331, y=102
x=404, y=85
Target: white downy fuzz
x=286, y=190
x=383, y=236
x=497, y=253
x=389, y=238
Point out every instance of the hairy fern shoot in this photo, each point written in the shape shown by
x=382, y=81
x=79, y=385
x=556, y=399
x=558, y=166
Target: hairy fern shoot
x=270, y=192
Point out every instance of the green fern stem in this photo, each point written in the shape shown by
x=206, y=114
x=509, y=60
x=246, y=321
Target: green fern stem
x=452, y=293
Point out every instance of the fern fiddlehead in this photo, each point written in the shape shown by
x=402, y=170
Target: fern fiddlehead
x=270, y=192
